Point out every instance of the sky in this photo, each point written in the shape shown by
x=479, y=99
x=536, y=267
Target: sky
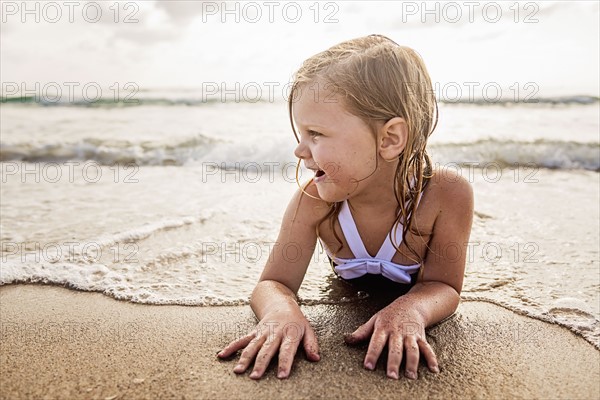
x=547, y=47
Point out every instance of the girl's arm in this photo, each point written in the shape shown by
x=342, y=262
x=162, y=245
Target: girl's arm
x=435, y=296
x=282, y=325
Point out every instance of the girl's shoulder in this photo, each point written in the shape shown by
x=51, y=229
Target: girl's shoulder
x=449, y=181
x=448, y=190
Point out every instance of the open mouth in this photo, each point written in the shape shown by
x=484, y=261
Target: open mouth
x=319, y=173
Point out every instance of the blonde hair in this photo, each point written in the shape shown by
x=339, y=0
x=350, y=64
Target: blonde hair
x=379, y=80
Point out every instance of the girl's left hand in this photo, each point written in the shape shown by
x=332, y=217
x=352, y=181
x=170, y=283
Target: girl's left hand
x=403, y=331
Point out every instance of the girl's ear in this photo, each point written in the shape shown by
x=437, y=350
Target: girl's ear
x=392, y=139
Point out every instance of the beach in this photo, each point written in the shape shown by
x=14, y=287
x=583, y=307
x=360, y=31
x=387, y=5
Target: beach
x=58, y=343
x=147, y=159
x=127, y=264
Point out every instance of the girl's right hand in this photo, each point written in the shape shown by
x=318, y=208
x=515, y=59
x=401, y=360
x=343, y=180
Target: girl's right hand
x=282, y=330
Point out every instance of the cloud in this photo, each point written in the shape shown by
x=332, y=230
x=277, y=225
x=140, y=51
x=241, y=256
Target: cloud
x=157, y=22
x=181, y=11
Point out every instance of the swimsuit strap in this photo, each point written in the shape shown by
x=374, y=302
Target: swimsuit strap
x=351, y=232
x=387, y=250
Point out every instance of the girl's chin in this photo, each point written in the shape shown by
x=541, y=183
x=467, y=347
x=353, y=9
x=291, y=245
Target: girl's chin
x=330, y=196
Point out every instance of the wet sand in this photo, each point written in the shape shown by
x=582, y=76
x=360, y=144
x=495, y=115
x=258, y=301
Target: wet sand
x=59, y=343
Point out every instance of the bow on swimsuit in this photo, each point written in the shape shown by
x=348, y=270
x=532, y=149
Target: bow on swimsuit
x=363, y=263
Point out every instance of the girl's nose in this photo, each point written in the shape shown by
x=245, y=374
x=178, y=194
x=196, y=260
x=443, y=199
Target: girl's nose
x=301, y=151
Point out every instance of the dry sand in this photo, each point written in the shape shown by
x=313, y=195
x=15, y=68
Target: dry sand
x=58, y=343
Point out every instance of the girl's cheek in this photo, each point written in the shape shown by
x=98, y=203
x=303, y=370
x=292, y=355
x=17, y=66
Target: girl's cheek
x=333, y=171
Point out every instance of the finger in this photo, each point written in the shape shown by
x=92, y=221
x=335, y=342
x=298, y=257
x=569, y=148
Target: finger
x=362, y=333
x=311, y=344
x=376, y=346
x=265, y=355
x=248, y=354
x=412, y=356
x=395, y=352
x=287, y=352
x=429, y=356
x=237, y=344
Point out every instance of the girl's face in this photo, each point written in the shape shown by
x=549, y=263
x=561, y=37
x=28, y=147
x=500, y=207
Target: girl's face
x=338, y=146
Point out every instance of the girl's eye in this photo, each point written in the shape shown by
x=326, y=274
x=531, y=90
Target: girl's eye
x=313, y=134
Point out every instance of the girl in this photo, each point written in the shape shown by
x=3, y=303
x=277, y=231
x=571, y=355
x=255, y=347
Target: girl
x=364, y=110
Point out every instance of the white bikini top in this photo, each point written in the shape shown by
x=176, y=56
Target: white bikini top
x=363, y=263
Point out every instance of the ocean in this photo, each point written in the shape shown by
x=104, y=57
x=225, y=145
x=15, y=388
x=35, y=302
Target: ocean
x=178, y=201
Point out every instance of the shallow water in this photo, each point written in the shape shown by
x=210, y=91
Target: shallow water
x=192, y=219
